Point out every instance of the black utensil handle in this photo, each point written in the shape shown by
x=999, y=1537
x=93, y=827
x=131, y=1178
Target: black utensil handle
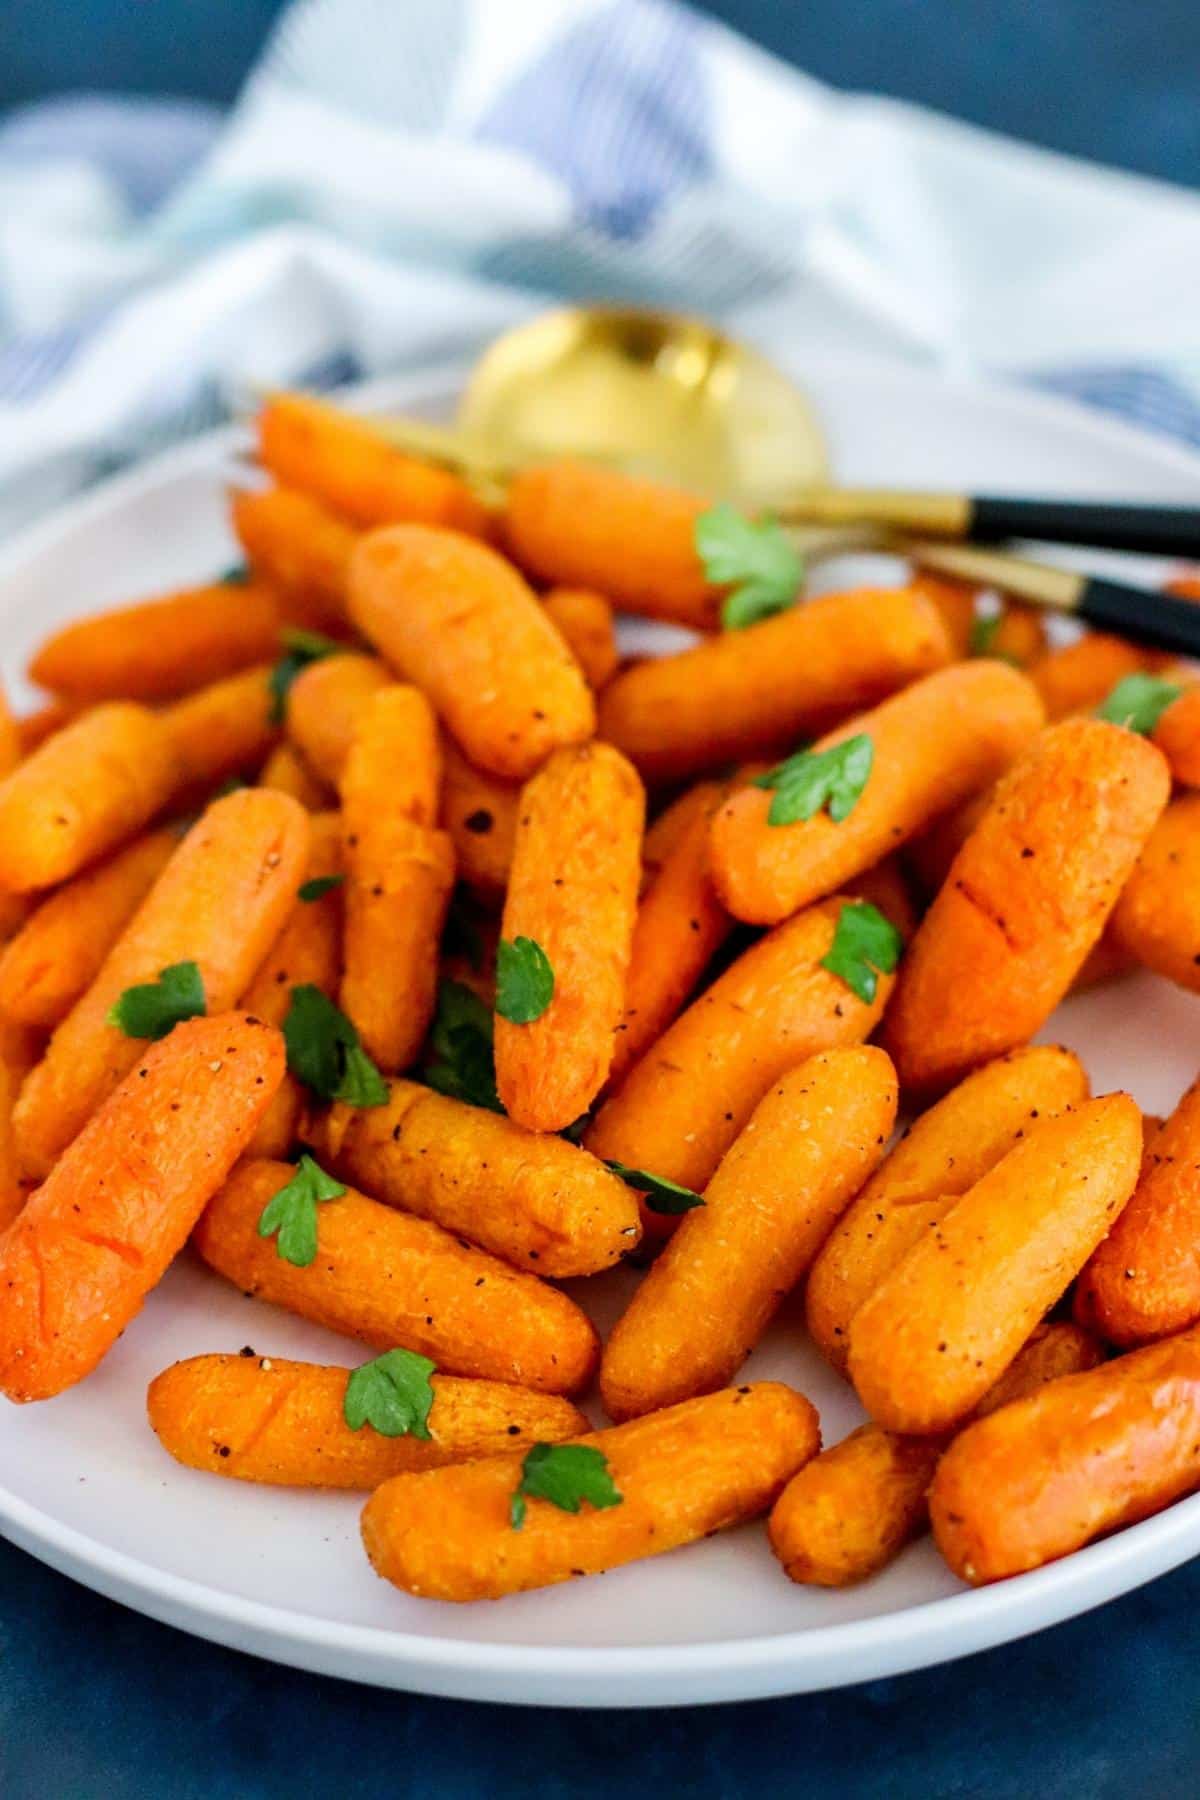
x=1156, y=530
x=1162, y=620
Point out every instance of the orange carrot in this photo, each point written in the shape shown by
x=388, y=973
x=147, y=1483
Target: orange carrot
x=706, y=1302
x=449, y=1534
x=533, y=1199
x=585, y=622
x=1079, y=676
x=222, y=730
x=35, y=727
x=480, y=813
x=219, y=902
x=452, y=616
x=98, y=1235
x=741, y=693
x=1177, y=735
x=1019, y=635
x=12, y=749
x=929, y=748
x=302, y=550
x=261, y=1418
x=1157, y=918
x=937, y=1332
x=325, y=705
x=349, y=466
x=955, y=602
x=1025, y=900
x=13, y=1191
x=393, y=1280
x=57, y=953
x=572, y=892
x=159, y=649
x=286, y=771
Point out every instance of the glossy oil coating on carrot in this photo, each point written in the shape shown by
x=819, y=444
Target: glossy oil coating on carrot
x=934, y=745
x=706, y=1301
x=1079, y=676
x=350, y=467
x=930, y=1340
x=852, y=1509
x=99, y=1233
x=1083, y=1456
x=679, y=1109
x=82, y=793
x=57, y=953
x=480, y=813
x=222, y=731
x=456, y=619
x=399, y=875
x=286, y=771
x=1157, y=918
x=219, y=902
x=943, y=1153
x=585, y=620
x=161, y=648
x=297, y=546
x=572, y=890
x=390, y=1279
x=583, y=525
x=1026, y=898
x=325, y=705
x=1144, y=1280
x=681, y=1474
x=537, y=1200
x=743, y=692
x=1177, y=735
x=263, y=1418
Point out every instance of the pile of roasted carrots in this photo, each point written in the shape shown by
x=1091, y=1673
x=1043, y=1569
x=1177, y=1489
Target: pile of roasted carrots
x=336, y=941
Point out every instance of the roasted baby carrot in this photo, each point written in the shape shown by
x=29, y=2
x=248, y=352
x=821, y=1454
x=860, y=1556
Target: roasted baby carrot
x=286, y=771
x=955, y=602
x=325, y=704
x=1177, y=735
x=480, y=813
x=57, y=953
x=679, y=1109
x=677, y=1476
x=13, y=1191
x=930, y=1340
x=219, y=903
x=262, y=1418
x=852, y=1509
x=1025, y=900
x=12, y=749
x=744, y=692
x=301, y=549
x=1079, y=676
x=351, y=468
x=583, y=525
x=1085, y=1455
x=944, y=1153
x=159, y=649
x=1018, y=635
x=223, y=730
x=99, y=1233
x=536, y=1200
x=585, y=622
x=1157, y=918
x=572, y=891
x=390, y=1279
x=82, y=793
x=922, y=752
x=453, y=617
x=35, y=727
x=705, y=1303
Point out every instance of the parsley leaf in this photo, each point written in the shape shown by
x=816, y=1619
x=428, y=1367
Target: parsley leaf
x=524, y=981
x=983, y=633
x=318, y=887
x=662, y=1196
x=814, y=779
x=863, y=943
x=290, y=1216
x=299, y=649
x=391, y=1394
x=153, y=1009
x=758, y=562
x=236, y=575
x=324, y=1053
x=1139, y=702
x=566, y=1475
x=463, y=1064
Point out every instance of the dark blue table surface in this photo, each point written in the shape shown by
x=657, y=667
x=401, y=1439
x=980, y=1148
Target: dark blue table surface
x=95, y=1700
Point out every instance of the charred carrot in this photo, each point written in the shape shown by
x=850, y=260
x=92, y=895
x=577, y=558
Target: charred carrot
x=585, y=621
x=391, y=1279
x=1079, y=676
x=572, y=894
x=262, y=1418
x=325, y=705
x=535, y=1200
x=743, y=692
x=480, y=813
x=1157, y=918
x=223, y=730
x=1025, y=900
x=863, y=791
x=299, y=548
x=705, y=1303
x=930, y=1340
x=449, y=1534
x=219, y=903
x=286, y=771
x=99, y=1233
x=453, y=617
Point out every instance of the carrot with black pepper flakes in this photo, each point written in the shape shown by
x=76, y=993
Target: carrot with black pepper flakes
x=286, y=771
x=325, y=705
x=1077, y=677
x=301, y=549
x=480, y=813
x=100, y=1232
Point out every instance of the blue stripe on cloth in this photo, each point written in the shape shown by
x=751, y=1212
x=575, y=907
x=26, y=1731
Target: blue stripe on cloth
x=144, y=146
x=30, y=363
x=1140, y=394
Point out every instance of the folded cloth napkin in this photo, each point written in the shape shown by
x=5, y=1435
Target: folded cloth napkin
x=399, y=181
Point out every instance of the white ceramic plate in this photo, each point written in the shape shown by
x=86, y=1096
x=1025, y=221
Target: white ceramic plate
x=84, y=1484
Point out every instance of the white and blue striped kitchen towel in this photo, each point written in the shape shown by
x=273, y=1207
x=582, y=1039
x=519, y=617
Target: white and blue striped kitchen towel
x=399, y=180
